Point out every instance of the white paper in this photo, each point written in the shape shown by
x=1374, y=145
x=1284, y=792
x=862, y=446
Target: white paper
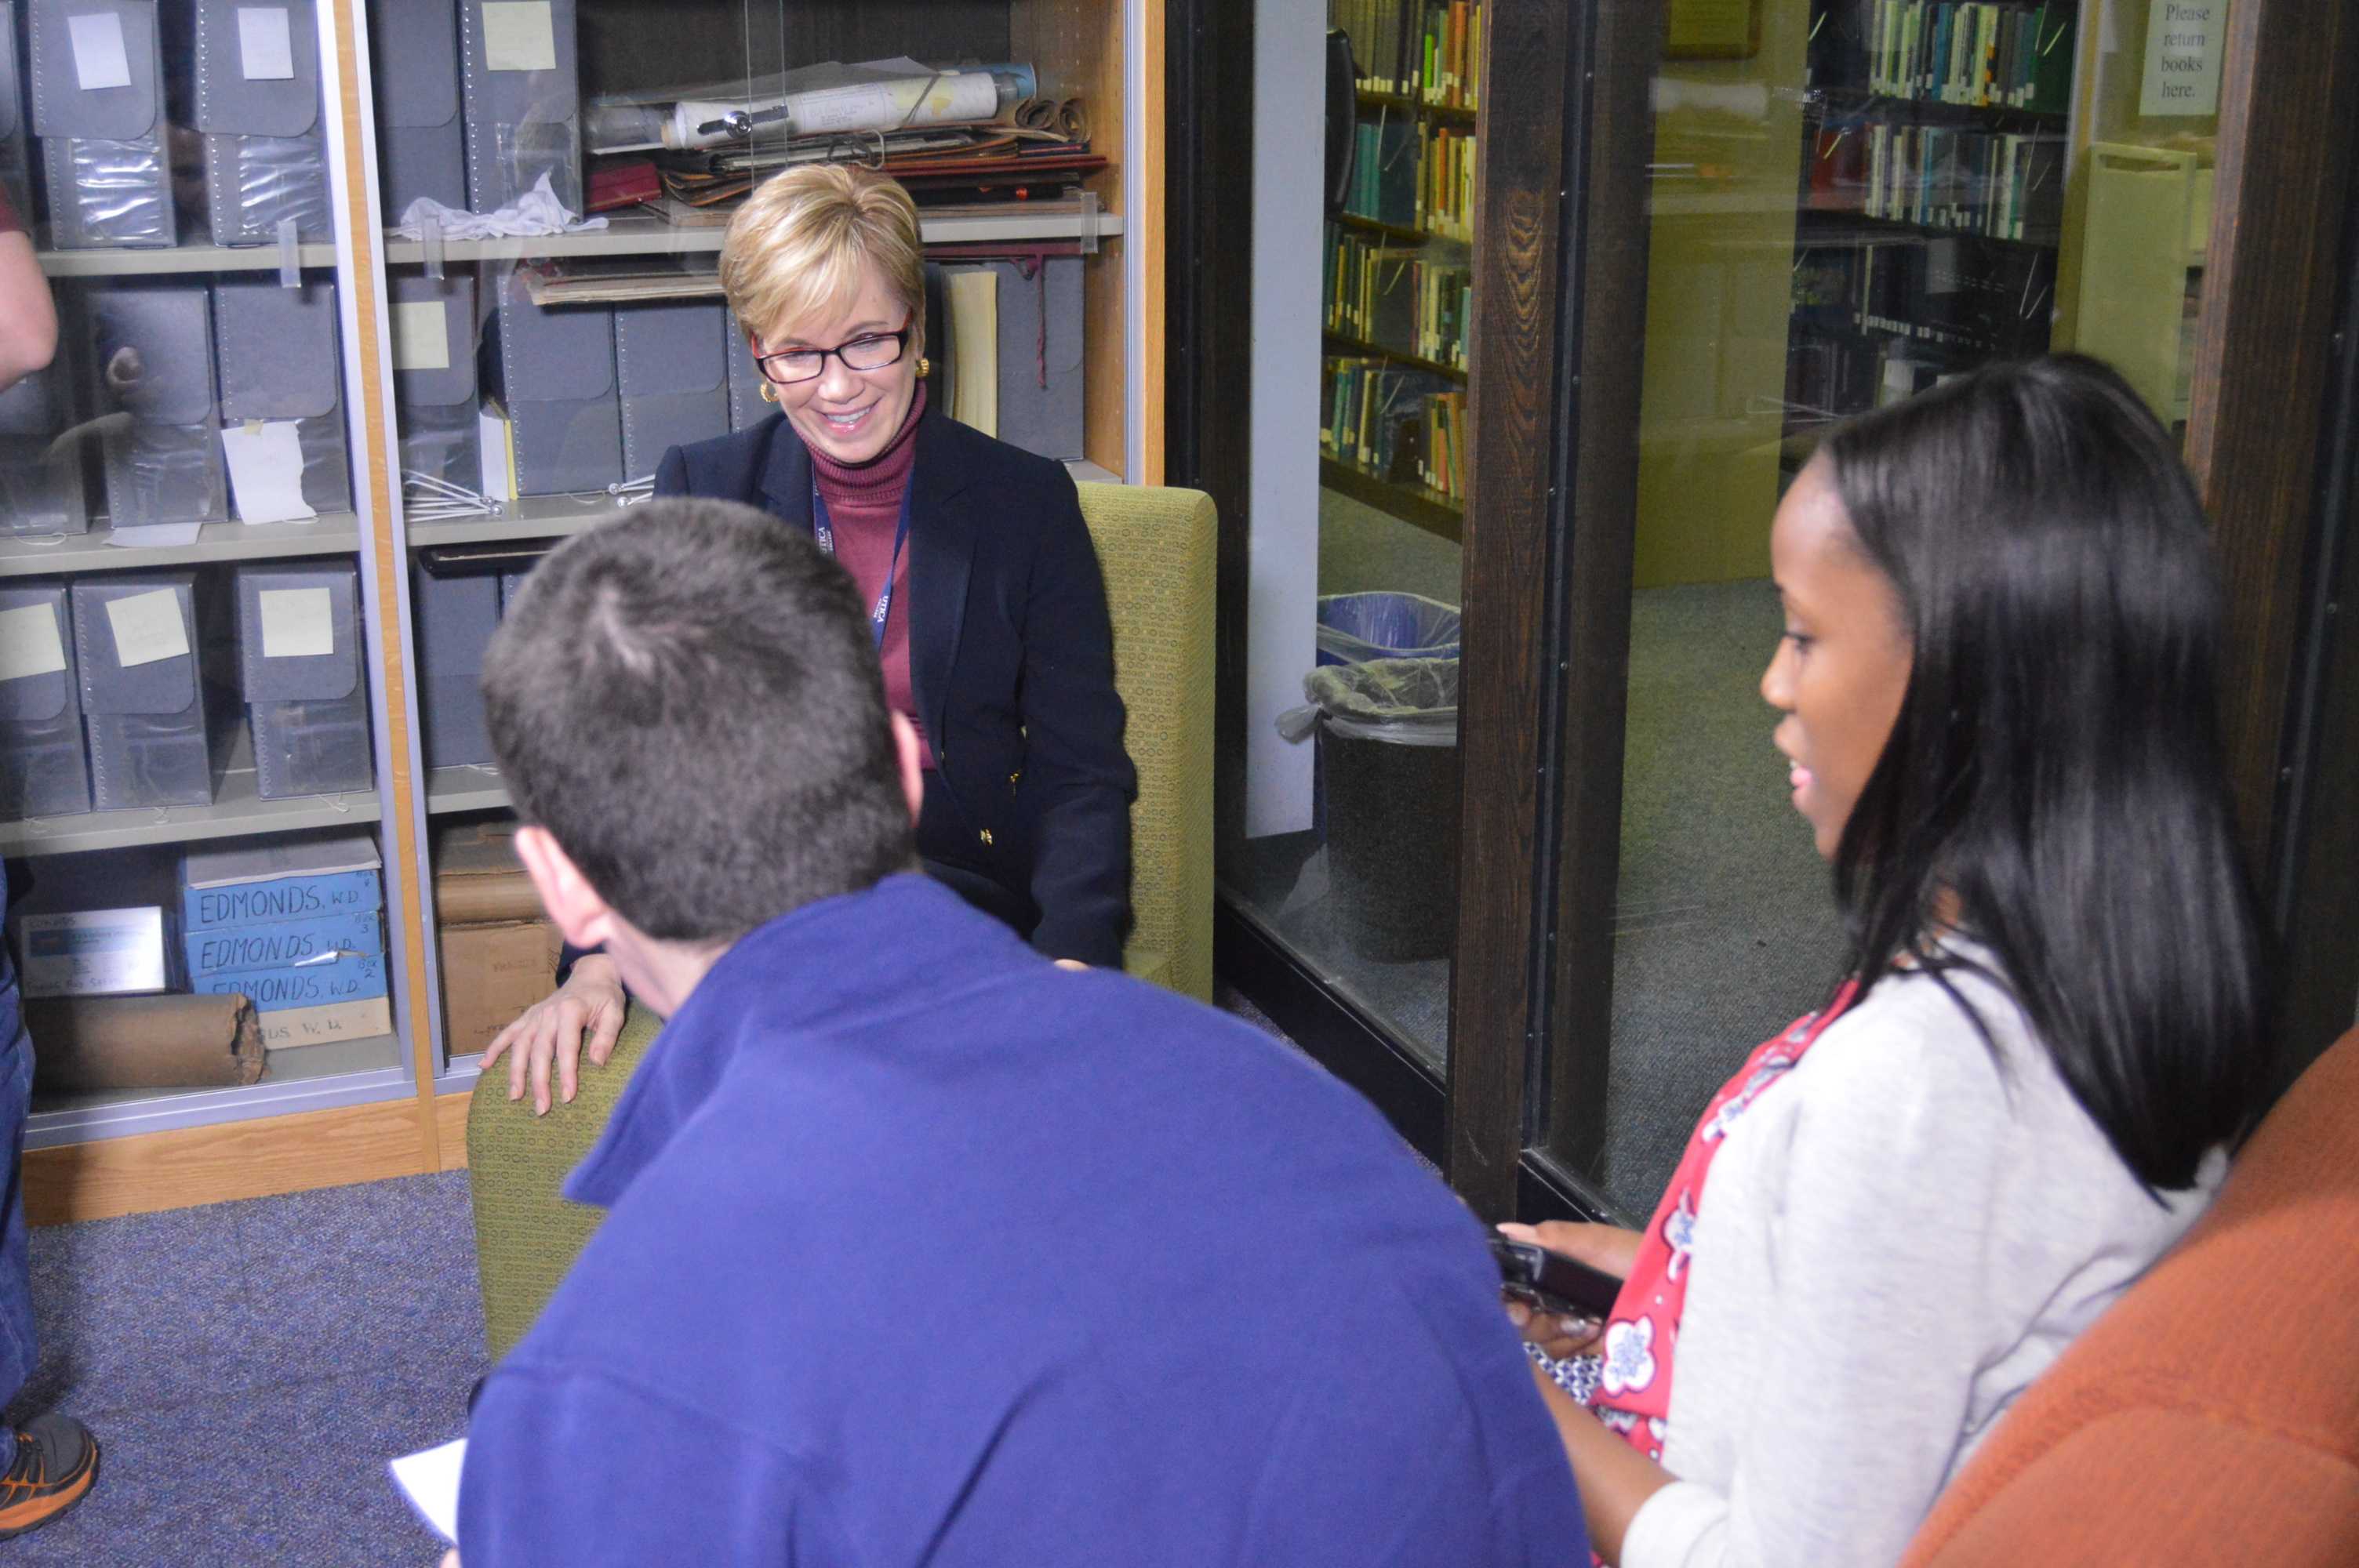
x=518, y=36
x=429, y=1479
x=296, y=623
x=100, y=58
x=421, y=336
x=498, y=450
x=266, y=46
x=155, y=535
x=94, y=952
x=265, y=471
x=148, y=627
x=29, y=644
x=2184, y=42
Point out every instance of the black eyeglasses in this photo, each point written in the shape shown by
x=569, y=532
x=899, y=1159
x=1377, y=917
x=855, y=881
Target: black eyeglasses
x=870, y=350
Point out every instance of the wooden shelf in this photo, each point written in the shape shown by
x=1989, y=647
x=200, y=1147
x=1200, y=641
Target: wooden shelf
x=1427, y=509
x=1409, y=105
x=1870, y=227
x=331, y=533
x=642, y=235
x=1396, y=231
x=154, y=260
x=237, y=811
x=1338, y=344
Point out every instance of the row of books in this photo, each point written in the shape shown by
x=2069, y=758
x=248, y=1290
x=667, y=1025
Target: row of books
x=2002, y=184
x=1399, y=297
x=1943, y=296
x=1978, y=55
x=1428, y=49
x=1409, y=175
x=1404, y=426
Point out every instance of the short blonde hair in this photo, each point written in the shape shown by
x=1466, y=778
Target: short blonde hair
x=807, y=240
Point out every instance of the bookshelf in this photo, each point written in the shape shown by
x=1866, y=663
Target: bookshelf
x=1398, y=278
x=1935, y=160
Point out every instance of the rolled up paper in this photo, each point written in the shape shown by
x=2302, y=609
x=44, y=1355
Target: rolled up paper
x=82, y=1044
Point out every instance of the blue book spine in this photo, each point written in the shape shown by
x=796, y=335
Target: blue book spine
x=355, y=979
x=280, y=946
x=280, y=900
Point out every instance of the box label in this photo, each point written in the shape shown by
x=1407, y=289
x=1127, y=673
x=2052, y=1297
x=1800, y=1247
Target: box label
x=31, y=644
x=265, y=47
x=148, y=627
x=296, y=623
x=518, y=35
x=421, y=336
x=282, y=899
x=95, y=952
x=291, y=1027
x=356, y=979
x=280, y=946
x=100, y=58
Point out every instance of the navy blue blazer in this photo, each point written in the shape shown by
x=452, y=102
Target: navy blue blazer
x=1011, y=665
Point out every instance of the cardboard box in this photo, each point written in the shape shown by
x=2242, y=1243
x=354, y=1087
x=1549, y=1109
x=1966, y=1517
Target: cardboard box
x=281, y=944
x=92, y=952
x=478, y=880
x=288, y=880
x=325, y=1024
x=491, y=974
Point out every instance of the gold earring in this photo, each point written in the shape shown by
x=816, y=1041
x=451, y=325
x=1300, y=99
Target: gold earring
x=769, y=393
x=925, y=367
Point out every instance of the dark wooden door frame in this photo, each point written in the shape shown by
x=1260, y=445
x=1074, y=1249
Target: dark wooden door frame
x=1561, y=273
x=2265, y=348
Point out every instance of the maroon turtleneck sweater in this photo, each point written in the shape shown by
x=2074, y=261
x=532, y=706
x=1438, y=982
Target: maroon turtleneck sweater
x=863, y=506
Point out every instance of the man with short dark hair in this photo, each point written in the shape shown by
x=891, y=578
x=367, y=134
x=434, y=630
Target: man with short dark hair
x=919, y=1248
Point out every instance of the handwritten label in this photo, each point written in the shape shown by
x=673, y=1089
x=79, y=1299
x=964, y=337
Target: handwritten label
x=296, y=623
x=518, y=36
x=265, y=470
x=2184, y=41
x=29, y=644
x=421, y=336
x=148, y=628
x=266, y=46
x=99, y=60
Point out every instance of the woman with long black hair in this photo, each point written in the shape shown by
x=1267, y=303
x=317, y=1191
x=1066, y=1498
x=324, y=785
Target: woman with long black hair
x=1998, y=714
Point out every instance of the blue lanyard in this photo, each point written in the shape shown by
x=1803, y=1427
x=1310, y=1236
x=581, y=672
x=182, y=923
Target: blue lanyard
x=824, y=531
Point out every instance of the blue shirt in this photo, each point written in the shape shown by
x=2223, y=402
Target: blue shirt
x=923, y=1250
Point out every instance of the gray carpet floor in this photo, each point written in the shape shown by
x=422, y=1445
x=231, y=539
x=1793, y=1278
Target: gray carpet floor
x=1723, y=926
x=250, y=1366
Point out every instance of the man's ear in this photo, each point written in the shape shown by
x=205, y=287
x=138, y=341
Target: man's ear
x=581, y=915
x=909, y=754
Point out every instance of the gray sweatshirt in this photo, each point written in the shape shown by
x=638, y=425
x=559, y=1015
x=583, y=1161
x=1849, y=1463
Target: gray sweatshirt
x=1895, y=1241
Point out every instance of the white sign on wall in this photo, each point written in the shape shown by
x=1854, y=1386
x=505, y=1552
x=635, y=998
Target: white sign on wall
x=2184, y=40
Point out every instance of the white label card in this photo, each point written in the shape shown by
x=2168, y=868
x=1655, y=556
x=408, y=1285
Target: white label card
x=99, y=60
x=2184, y=42
x=29, y=644
x=265, y=47
x=148, y=627
x=296, y=623
x=421, y=336
x=518, y=36
x=265, y=471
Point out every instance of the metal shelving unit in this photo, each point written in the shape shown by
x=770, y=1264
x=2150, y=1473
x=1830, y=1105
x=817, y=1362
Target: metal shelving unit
x=168, y=259
x=640, y=235
x=331, y=533
x=237, y=811
x=464, y=788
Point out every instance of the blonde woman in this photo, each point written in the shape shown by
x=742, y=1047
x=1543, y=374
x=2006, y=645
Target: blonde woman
x=987, y=605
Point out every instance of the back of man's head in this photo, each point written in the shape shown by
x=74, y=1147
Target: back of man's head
x=688, y=701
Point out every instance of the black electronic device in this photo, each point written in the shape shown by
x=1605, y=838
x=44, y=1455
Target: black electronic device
x=1551, y=1281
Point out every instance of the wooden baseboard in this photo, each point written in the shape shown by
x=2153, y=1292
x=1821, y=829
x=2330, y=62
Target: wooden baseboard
x=234, y=1160
x=450, y=1128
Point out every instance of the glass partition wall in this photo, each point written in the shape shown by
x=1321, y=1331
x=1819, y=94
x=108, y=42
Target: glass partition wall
x=1713, y=232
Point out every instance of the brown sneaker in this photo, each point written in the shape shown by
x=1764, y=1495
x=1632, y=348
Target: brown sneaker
x=56, y=1462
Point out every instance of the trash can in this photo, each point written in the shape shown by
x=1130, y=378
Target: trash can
x=1388, y=753
x=1356, y=627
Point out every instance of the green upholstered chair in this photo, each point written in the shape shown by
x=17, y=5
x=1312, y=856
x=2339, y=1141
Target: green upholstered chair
x=1157, y=549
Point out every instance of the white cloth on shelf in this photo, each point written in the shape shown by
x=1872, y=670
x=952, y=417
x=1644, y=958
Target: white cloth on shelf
x=537, y=211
